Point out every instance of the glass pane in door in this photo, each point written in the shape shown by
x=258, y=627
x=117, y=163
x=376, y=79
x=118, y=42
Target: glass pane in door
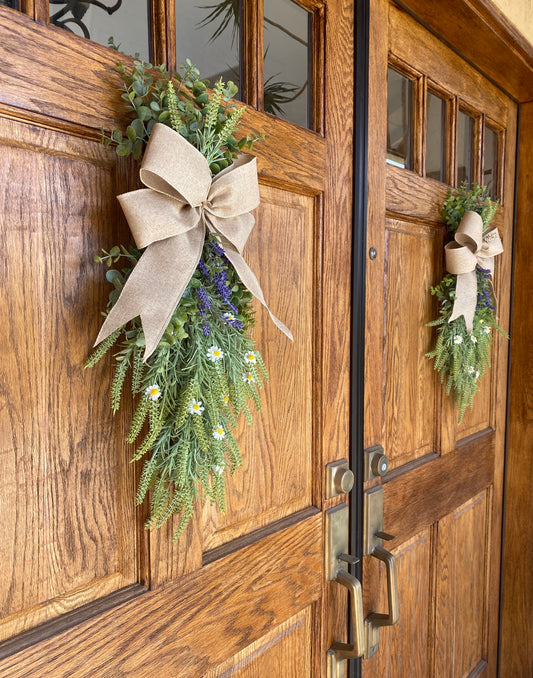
x=120, y=24
x=288, y=62
x=399, y=120
x=435, y=137
x=491, y=163
x=465, y=144
x=13, y=4
x=208, y=33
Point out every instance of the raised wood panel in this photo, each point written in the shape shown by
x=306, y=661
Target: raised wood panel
x=69, y=533
x=462, y=566
x=193, y=625
x=284, y=651
x=410, y=386
x=276, y=478
x=403, y=648
x=472, y=87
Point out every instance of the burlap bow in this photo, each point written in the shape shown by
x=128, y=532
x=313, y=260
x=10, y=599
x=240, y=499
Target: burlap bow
x=470, y=249
x=170, y=218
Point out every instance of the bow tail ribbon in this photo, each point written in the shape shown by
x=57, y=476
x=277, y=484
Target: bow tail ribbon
x=150, y=293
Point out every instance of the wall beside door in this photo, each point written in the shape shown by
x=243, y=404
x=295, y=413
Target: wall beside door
x=520, y=14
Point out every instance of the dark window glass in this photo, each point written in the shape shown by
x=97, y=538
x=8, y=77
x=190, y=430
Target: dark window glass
x=288, y=61
x=465, y=145
x=435, y=137
x=119, y=24
x=399, y=120
x=208, y=33
x=13, y=4
x=491, y=163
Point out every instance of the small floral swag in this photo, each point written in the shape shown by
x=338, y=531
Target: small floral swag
x=464, y=326
x=205, y=369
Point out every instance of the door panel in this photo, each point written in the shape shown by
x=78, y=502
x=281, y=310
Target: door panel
x=88, y=591
x=443, y=491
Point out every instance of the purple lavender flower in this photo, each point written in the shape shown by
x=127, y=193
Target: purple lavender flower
x=206, y=330
x=203, y=268
x=217, y=249
x=202, y=295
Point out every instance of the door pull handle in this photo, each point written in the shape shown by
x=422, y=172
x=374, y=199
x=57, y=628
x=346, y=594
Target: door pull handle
x=336, y=569
x=376, y=620
x=355, y=649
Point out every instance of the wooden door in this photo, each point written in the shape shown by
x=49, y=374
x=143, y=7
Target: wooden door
x=443, y=491
x=86, y=591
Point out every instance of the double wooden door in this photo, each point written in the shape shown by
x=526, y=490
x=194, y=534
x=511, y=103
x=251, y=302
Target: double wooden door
x=441, y=123
x=86, y=591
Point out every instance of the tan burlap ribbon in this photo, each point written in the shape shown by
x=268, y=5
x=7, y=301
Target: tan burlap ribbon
x=170, y=218
x=471, y=248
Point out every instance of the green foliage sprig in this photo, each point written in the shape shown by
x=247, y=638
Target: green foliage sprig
x=206, y=370
x=460, y=356
x=206, y=121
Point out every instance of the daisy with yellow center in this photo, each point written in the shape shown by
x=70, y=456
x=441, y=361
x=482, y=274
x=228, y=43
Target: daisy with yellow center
x=218, y=433
x=458, y=339
x=196, y=407
x=153, y=392
x=225, y=399
x=248, y=378
x=214, y=353
x=250, y=357
x=473, y=338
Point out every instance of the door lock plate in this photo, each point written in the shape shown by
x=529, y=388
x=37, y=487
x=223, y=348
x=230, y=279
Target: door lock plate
x=373, y=520
x=336, y=539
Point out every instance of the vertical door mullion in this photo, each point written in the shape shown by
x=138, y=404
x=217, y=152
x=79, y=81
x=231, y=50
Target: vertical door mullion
x=38, y=10
x=252, y=53
x=163, y=33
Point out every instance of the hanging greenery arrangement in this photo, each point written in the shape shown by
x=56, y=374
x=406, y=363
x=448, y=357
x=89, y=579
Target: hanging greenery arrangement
x=467, y=304
x=180, y=312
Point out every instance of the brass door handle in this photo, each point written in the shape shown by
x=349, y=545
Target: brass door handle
x=337, y=561
x=375, y=620
x=355, y=649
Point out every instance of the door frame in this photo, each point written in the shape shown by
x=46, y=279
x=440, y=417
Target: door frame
x=500, y=53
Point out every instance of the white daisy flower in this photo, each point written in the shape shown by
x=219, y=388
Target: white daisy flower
x=228, y=317
x=214, y=353
x=153, y=392
x=225, y=399
x=218, y=433
x=219, y=470
x=250, y=357
x=248, y=378
x=477, y=374
x=471, y=370
x=486, y=330
x=196, y=407
x=473, y=338
x=458, y=339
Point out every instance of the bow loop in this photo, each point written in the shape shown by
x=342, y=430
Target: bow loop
x=470, y=249
x=169, y=219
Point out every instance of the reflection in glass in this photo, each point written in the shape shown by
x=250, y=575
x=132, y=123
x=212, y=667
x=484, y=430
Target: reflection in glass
x=118, y=24
x=435, y=137
x=399, y=120
x=465, y=143
x=14, y=4
x=208, y=33
x=491, y=165
x=288, y=61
